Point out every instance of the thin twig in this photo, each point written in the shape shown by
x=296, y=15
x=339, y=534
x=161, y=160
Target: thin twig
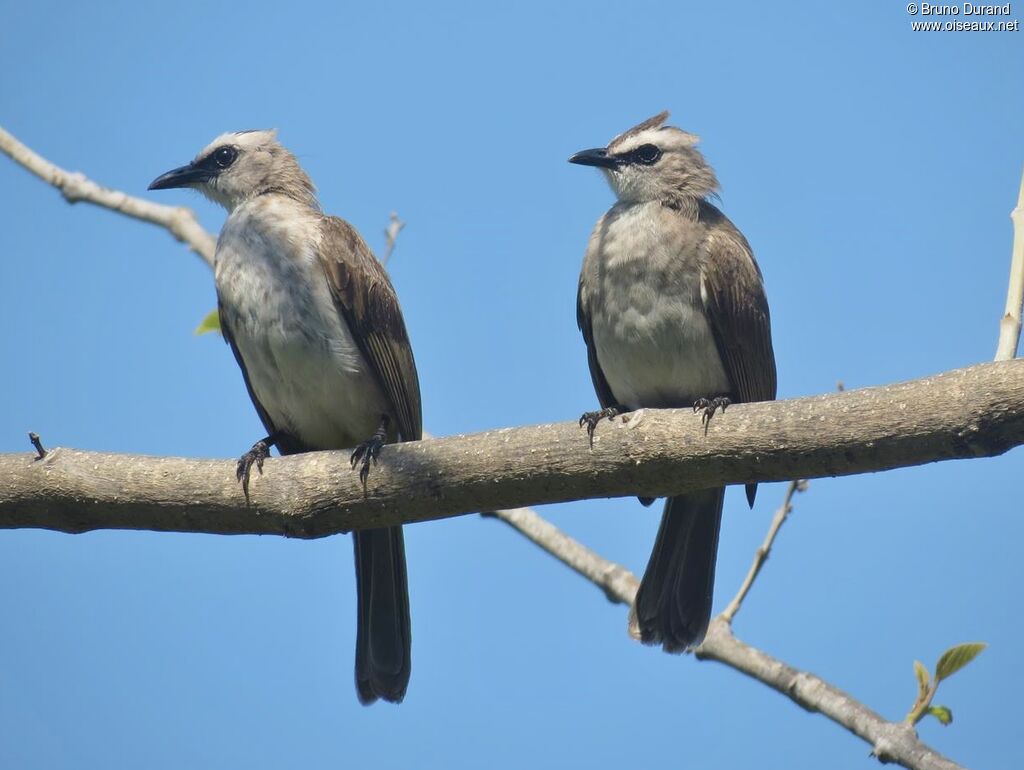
x=391, y=232
x=38, y=444
x=1009, y=326
x=761, y=554
x=178, y=221
x=924, y=699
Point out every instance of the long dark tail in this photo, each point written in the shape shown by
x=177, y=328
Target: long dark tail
x=384, y=630
x=673, y=605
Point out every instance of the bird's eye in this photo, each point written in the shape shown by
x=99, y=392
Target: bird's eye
x=647, y=154
x=225, y=156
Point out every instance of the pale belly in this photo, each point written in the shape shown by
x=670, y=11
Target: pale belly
x=665, y=357
x=307, y=392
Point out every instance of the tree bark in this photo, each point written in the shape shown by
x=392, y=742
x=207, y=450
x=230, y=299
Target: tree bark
x=972, y=412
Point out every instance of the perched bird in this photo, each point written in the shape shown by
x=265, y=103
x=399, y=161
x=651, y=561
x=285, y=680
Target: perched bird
x=673, y=311
x=315, y=326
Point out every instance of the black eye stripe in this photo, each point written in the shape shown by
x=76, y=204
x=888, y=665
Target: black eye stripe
x=220, y=159
x=645, y=154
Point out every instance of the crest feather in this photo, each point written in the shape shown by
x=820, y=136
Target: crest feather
x=653, y=122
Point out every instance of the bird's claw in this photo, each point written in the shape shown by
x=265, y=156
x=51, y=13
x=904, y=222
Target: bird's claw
x=709, y=407
x=255, y=456
x=591, y=419
x=364, y=454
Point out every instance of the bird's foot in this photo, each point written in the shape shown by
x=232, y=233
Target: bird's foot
x=260, y=451
x=709, y=406
x=368, y=451
x=591, y=419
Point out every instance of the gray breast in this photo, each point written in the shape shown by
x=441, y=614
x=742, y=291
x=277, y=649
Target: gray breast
x=653, y=339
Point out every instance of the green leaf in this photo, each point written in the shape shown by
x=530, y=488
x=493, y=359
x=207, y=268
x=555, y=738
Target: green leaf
x=922, y=676
x=955, y=658
x=941, y=713
x=211, y=323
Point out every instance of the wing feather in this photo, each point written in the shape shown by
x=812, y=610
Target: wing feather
x=365, y=298
x=604, y=392
x=737, y=306
x=735, y=301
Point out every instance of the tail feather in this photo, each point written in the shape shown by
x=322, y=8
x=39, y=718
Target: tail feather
x=673, y=604
x=384, y=630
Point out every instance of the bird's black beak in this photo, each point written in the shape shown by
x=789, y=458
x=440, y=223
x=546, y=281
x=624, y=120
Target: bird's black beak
x=596, y=157
x=183, y=176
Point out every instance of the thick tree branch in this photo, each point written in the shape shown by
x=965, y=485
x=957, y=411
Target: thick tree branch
x=973, y=412
x=1009, y=326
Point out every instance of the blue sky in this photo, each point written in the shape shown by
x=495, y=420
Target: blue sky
x=871, y=168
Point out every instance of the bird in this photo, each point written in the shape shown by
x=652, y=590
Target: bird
x=315, y=326
x=672, y=307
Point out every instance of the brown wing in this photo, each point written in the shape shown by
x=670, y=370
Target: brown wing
x=367, y=301
x=738, y=308
x=601, y=387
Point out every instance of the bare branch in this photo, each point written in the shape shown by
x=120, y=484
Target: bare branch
x=890, y=741
x=618, y=583
x=656, y=453
x=180, y=222
x=761, y=554
x=1009, y=326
